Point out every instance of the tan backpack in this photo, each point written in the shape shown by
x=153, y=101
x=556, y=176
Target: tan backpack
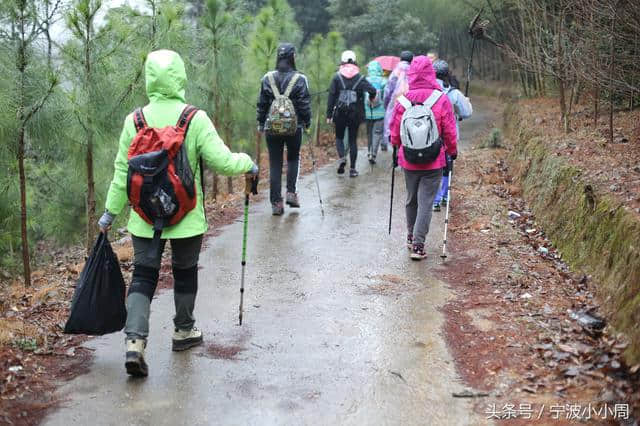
x=282, y=119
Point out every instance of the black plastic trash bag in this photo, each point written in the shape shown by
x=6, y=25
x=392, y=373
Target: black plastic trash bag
x=98, y=305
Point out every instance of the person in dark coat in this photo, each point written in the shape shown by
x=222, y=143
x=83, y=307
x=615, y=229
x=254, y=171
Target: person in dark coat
x=345, y=107
x=283, y=76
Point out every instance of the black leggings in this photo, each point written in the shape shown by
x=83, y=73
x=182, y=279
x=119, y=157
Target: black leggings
x=353, y=125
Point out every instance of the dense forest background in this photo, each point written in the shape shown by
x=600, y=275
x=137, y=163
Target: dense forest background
x=73, y=69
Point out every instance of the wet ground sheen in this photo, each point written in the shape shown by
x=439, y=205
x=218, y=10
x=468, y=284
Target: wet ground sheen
x=340, y=326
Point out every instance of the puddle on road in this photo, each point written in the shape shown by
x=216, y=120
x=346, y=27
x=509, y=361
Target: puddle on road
x=218, y=351
x=386, y=285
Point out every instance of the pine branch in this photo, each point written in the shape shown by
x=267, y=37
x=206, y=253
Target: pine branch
x=34, y=109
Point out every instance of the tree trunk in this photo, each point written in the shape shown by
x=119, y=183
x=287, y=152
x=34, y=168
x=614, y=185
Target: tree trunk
x=91, y=190
x=596, y=105
x=227, y=132
x=214, y=184
x=26, y=261
x=91, y=193
x=22, y=66
x=258, y=147
x=611, y=70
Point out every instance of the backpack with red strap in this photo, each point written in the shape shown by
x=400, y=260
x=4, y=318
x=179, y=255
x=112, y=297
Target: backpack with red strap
x=160, y=182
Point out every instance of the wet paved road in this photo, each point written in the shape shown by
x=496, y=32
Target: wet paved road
x=340, y=326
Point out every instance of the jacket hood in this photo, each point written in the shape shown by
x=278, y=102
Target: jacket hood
x=286, y=57
x=349, y=70
x=374, y=69
x=165, y=76
x=421, y=74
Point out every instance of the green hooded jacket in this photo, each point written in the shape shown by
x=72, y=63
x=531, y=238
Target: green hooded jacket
x=165, y=84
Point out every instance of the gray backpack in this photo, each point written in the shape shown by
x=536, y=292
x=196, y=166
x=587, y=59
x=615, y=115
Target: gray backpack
x=282, y=119
x=348, y=98
x=421, y=141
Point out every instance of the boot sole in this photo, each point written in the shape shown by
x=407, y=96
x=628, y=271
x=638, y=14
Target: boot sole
x=136, y=368
x=293, y=205
x=183, y=345
x=417, y=257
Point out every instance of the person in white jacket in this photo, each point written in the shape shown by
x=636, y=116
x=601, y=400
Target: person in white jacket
x=462, y=108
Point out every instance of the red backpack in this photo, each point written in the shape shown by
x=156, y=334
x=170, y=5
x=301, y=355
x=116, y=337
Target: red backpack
x=160, y=182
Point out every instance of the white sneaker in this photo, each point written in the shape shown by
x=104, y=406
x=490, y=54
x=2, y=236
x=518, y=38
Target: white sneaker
x=134, y=363
x=186, y=339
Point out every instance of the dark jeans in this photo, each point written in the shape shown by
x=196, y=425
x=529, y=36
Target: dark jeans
x=276, y=145
x=184, y=259
x=353, y=125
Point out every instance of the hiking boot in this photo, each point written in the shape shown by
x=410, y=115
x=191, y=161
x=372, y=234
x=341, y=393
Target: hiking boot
x=134, y=360
x=410, y=241
x=277, y=209
x=418, y=252
x=436, y=207
x=341, y=167
x=372, y=160
x=186, y=339
x=444, y=202
x=292, y=199
x=353, y=173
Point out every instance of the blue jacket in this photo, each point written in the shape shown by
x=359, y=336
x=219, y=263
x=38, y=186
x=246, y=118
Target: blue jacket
x=378, y=82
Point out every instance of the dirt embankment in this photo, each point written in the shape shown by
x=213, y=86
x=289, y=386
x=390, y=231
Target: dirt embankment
x=573, y=185
x=525, y=327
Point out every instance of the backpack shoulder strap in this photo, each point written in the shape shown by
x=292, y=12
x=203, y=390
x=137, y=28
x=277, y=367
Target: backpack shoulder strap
x=357, y=82
x=431, y=100
x=344, y=87
x=272, y=83
x=186, y=116
x=139, y=120
x=291, y=84
x=406, y=103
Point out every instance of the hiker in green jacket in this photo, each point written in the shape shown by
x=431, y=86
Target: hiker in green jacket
x=165, y=86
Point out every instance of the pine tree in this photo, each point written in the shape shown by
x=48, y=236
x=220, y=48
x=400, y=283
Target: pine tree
x=26, y=22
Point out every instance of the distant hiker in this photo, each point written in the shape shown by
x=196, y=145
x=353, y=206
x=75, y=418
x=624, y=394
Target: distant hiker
x=422, y=147
x=159, y=176
x=346, y=107
x=396, y=86
x=284, y=109
x=462, y=109
x=374, y=111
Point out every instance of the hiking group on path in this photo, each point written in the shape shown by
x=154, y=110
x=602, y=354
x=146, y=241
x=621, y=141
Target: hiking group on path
x=164, y=146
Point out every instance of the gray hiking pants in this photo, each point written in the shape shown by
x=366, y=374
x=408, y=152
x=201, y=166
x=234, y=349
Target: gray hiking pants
x=185, y=254
x=375, y=134
x=422, y=187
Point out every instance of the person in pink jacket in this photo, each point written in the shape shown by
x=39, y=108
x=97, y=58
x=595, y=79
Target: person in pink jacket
x=423, y=180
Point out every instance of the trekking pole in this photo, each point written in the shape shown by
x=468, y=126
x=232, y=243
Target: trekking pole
x=313, y=162
x=250, y=186
x=446, y=218
x=393, y=180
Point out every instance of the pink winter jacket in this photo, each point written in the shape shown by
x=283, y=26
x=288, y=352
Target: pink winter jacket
x=422, y=81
